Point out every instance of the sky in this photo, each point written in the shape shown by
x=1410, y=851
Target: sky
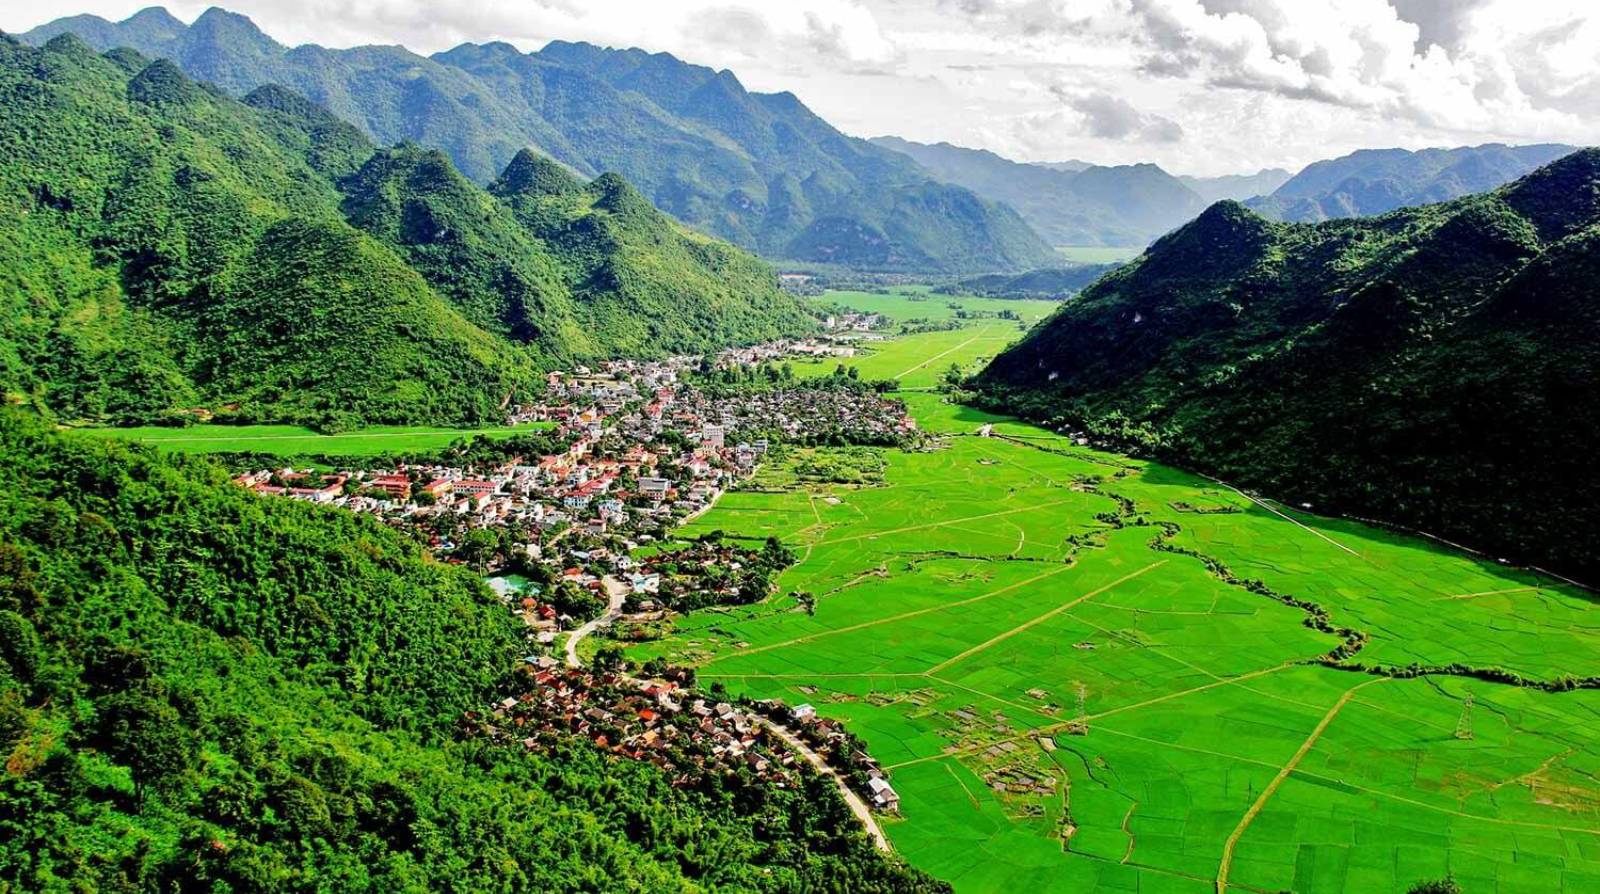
x=1198, y=86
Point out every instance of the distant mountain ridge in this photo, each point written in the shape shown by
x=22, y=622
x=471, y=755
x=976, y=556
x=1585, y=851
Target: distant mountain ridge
x=1078, y=203
x=1237, y=187
x=1433, y=367
x=1376, y=181
x=759, y=170
x=1128, y=205
x=173, y=249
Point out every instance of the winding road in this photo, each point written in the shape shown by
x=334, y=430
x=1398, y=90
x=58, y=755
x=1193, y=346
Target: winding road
x=618, y=592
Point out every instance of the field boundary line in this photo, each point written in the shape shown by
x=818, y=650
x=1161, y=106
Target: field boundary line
x=1040, y=619
x=913, y=369
x=942, y=524
x=970, y=796
x=1307, y=774
x=812, y=637
x=1056, y=727
x=1504, y=592
x=1291, y=520
x=981, y=694
x=1277, y=781
x=806, y=676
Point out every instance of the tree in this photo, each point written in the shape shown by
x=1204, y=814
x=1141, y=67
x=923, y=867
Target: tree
x=609, y=658
x=143, y=731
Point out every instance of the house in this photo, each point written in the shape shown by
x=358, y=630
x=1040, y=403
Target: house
x=883, y=794
x=396, y=486
x=473, y=487
x=713, y=435
x=803, y=713
x=438, y=487
x=654, y=487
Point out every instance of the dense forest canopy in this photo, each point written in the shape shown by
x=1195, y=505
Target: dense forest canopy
x=1432, y=367
x=202, y=689
x=760, y=170
x=173, y=248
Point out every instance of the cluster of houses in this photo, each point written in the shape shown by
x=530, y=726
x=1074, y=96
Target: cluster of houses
x=677, y=729
x=842, y=750
x=853, y=321
x=642, y=450
x=636, y=449
x=809, y=415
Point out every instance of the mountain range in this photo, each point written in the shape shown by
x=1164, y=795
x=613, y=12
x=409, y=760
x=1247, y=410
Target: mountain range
x=174, y=248
x=1238, y=187
x=1432, y=367
x=1376, y=181
x=760, y=170
x=1127, y=205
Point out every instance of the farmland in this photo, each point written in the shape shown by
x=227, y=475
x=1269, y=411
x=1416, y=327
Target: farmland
x=991, y=598
x=295, y=440
x=920, y=360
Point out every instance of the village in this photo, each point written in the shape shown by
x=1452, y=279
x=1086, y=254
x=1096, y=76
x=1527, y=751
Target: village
x=664, y=720
x=615, y=458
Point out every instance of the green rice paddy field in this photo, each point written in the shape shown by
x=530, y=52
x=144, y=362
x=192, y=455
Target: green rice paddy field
x=920, y=361
x=993, y=593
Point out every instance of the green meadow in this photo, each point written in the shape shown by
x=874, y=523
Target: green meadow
x=921, y=360
x=902, y=303
x=294, y=440
x=1051, y=650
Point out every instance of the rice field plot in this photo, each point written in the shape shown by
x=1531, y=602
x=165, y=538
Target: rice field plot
x=921, y=360
x=1420, y=602
x=902, y=303
x=295, y=440
x=1065, y=706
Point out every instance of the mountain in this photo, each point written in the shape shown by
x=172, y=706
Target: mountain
x=1432, y=367
x=1236, y=186
x=760, y=170
x=206, y=690
x=173, y=248
x=1376, y=181
x=1071, y=165
x=1127, y=205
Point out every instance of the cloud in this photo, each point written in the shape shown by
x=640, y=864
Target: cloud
x=1114, y=118
x=1441, y=23
x=1212, y=85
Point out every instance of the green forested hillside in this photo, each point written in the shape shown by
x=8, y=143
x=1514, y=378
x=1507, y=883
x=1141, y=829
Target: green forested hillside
x=171, y=248
x=1432, y=367
x=204, y=690
x=760, y=170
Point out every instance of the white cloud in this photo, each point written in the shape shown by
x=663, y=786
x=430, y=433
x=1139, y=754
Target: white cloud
x=1197, y=85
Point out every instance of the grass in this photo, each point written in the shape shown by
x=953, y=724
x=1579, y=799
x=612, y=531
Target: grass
x=294, y=440
x=902, y=303
x=964, y=600
x=1097, y=254
x=921, y=360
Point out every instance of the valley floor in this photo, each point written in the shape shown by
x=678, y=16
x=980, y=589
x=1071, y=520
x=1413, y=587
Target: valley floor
x=1055, y=653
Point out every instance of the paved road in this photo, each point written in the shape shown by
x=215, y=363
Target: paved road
x=618, y=591
x=857, y=805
